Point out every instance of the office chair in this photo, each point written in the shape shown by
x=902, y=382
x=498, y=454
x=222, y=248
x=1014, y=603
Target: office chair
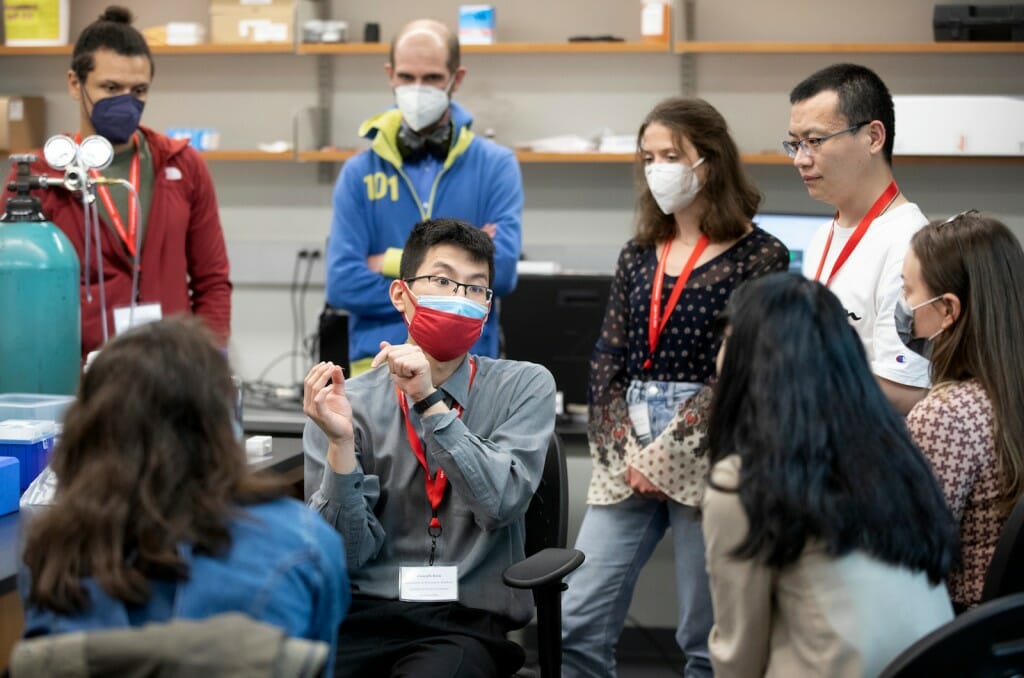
x=228, y=644
x=1005, y=574
x=986, y=641
x=547, y=560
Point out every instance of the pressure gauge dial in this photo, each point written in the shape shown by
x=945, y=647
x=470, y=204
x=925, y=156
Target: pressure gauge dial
x=96, y=152
x=60, y=151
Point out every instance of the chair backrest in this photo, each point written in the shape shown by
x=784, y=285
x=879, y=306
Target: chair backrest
x=987, y=640
x=547, y=518
x=1005, y=574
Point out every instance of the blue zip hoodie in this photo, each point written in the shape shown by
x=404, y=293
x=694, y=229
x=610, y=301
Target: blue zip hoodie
x=376, y=206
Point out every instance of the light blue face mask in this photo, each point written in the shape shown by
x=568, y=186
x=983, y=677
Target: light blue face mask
x=455, y=304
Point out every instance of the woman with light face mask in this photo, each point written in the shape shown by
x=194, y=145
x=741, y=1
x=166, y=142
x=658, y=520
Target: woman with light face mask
x=695, y=242
x=963, y=297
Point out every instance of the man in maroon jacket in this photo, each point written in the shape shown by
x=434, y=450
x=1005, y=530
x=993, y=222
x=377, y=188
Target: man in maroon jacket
x=182, y=260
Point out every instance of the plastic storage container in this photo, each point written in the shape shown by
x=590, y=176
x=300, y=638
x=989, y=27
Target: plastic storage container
x=34, y=406
x=9, y=485
x=29, y=441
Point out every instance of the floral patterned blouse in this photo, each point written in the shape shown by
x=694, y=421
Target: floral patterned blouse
x=685, y=353
x=954, y=427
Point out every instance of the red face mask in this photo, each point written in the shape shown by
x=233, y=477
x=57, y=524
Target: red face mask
x=443, y=336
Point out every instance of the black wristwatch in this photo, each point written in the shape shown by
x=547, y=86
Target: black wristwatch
x=431, y=400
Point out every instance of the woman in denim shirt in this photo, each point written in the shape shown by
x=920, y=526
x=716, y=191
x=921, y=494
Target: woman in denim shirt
x=156, y=515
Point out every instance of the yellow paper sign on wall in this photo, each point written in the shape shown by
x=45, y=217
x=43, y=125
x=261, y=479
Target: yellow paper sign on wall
x=36, y=22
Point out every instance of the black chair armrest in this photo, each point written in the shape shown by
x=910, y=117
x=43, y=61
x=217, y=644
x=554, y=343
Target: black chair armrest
x=547, y=566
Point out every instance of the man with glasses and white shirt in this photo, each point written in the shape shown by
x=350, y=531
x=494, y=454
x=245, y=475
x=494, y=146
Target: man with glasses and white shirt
x=841, y=132
x=424, y=162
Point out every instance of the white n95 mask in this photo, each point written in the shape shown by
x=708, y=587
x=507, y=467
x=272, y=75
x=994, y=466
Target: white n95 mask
x=421, y=105
x=673, y=184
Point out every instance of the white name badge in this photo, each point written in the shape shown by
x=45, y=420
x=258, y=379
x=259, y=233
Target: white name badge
x=639, y=417
x=125, y=319
x=434, y=584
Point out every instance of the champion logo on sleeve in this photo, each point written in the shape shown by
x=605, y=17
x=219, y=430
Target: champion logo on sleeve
x=172, y=174
x=901, y=358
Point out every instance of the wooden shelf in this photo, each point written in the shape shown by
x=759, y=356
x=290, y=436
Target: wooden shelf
x=679, y=47
x=569, y=48
x=6, y=50
x=254, y=48
x=247, y=156
x=503, y=48
x=343, y=48
x=958, y=159
x=771, y=158
x=763, y=158
x=336, y=155
x=593, y=157
x=251, y=48
x=766, y=158
x=702, y=47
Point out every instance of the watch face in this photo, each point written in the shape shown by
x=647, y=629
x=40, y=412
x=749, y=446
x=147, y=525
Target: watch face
x=96, y=152
x=59, y=151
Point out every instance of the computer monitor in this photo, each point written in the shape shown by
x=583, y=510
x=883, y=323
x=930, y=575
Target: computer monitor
x=794, y=230
x=555, y=320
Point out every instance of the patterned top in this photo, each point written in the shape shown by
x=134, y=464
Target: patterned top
x=954, y=426
x=686, y=349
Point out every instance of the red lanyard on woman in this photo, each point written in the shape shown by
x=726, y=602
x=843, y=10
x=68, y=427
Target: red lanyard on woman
x=134, y=172
x=658, y=319
x=882, y=204
x=437, y=485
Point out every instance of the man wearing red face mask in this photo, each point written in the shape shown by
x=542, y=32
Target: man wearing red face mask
x=175, y=240
x=426, y=465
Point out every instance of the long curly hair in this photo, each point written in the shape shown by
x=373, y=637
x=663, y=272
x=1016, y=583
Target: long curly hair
x=148, y=460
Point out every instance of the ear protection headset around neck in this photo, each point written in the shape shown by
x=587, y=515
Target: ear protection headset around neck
x=414, y=146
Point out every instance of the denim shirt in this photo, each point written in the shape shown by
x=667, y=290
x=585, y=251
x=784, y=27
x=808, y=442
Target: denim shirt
x=286, y=567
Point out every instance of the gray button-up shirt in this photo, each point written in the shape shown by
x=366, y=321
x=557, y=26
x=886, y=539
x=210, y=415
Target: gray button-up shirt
x=493, y=457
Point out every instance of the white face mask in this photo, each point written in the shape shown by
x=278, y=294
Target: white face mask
x=421, y=105
x=673, y=184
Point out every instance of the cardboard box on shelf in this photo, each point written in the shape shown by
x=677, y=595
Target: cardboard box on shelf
x=250, y=21
x=22, y=123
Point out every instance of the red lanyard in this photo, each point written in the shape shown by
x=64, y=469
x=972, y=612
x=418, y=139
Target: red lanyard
x=657, y=319
x=883, y=202
x=133, y=211
x=437, y=485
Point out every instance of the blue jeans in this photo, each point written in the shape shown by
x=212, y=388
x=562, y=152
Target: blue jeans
x=618, y=540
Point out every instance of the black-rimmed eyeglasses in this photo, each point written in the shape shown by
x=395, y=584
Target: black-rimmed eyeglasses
x=810, y=145
x=438, y=284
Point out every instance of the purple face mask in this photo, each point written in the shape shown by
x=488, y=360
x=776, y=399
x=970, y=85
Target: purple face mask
x=117, y=118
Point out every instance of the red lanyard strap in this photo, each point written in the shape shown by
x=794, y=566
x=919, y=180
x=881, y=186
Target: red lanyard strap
x=134, y=172
x=437, y=485
x=883, y=202
x=658, y=319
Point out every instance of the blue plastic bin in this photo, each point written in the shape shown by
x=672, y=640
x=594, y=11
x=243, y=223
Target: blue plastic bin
x=9, y=485
x=29, y=441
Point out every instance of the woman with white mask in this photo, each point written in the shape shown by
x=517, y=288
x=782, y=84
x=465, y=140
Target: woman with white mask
x=694, y=244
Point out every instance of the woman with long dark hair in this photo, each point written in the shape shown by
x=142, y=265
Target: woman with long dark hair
x=695, y=242
x=156, y=514
x=963, y=306
x=827, y=536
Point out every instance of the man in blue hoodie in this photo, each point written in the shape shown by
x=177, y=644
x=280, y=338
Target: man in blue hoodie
x=424, y=163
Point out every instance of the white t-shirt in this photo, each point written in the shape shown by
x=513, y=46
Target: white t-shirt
x=868, y=285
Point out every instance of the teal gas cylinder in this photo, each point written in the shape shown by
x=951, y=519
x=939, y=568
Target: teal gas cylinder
x=40, y=326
